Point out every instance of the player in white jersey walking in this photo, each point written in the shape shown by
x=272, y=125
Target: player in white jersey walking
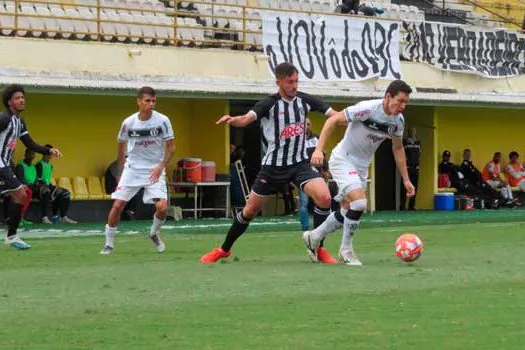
x=147, y=139
x=369, y=124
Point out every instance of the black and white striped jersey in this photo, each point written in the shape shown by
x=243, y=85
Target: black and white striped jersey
x=283, y=127
x=11, y=128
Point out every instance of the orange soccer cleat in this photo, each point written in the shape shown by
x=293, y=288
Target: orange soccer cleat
x=214, y=256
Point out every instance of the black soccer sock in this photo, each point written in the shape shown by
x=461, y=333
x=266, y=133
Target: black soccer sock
x=320, y=215
x=240, y=224
x=15, y=215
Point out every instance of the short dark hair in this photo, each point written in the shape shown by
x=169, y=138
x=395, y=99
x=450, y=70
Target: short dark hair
x=497, y=154
x=48, y=146
x=284, y=70
x=28, y=150
x=146, y=90
x=10, y=91
x=467, y=150
x=398, y=86
x=513, y=154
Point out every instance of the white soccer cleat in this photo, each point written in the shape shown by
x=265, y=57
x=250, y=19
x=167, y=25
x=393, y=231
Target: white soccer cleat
x=45, y=220
x=107, y=250
x=311, y=246
x=157, y=242
x=68, y=220
x=348, y=258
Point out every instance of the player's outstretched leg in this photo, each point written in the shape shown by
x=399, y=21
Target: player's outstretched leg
x=312, y=239
x=159, y=218
x=18, y=197
x=111, y=227
x=352, y=219
x=318, y=190
x=239, y=226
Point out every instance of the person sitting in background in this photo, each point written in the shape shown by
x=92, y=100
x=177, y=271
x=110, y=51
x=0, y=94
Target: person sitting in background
x=462, y=184
x=492, y=176
x=474, y=176
x=46, y=192
x=370, y=11
x=350, y=6
x=515, y=171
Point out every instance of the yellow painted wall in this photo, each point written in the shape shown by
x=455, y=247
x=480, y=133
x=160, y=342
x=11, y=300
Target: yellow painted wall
x=210, y=141
x=484, y=130
x=85, y=127
x=422, y=118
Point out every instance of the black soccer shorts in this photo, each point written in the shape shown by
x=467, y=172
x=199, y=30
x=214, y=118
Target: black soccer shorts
x=271, y=179
x=8, y=181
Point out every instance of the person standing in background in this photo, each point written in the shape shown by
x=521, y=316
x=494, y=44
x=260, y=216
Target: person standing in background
x=413, y=153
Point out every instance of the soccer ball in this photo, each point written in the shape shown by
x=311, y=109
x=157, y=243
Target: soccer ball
x=408, y=247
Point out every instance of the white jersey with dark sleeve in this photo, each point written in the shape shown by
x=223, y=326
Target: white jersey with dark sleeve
x=368, y=127
x=146, y=143
x=283, y=127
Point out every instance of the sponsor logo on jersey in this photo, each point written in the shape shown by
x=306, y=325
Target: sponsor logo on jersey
x=363, y=113
x=146, y=143
x=292, y=130
x=375, y=138
x=11, y=144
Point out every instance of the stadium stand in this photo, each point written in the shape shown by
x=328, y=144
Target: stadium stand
x=226, y=23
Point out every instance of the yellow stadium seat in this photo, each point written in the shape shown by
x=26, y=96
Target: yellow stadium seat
x=80, y=188
x=95, y=190
x=103, y=183
x=65, y=182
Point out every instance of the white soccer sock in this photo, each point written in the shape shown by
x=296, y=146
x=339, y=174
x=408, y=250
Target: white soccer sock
x=349, y=227
x=155, y=227
x=110, y=235
x=329, y=225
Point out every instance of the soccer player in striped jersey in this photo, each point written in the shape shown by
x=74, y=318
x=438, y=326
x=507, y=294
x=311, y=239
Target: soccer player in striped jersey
x=13, y=127
x=369, y=124
x=283, y=118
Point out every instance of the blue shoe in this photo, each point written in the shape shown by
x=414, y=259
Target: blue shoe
x=17, y=243
x=55, y=219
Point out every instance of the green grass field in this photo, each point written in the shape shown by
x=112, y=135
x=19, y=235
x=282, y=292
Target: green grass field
x=466, y=292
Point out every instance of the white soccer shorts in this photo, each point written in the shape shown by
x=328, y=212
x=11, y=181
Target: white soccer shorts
x=347, y=176
x=157, y=190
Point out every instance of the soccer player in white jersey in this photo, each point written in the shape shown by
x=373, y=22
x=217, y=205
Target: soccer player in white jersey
x=146, y=137
x=369, y=124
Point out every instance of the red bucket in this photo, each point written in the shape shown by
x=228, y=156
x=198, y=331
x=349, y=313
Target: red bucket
x=208, y=171
x=192, y=169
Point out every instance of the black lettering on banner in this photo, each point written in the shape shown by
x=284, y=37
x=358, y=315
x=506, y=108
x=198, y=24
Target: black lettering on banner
x=306, y=35
x=394, y=28
x=489, y=53
x=319, y=49
x=347, y=62
x=338, y=48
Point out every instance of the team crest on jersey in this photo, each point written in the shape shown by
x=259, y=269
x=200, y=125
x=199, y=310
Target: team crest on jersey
x=154, y=132
x=392, y=129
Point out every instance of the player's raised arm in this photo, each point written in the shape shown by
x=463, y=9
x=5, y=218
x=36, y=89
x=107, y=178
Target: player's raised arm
x=336, y=118
x=239, y=121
